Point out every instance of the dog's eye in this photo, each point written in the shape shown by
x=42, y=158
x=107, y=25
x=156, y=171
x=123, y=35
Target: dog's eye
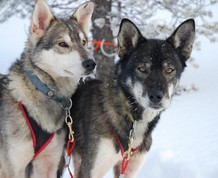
x=83, y=42
x=169, y=70
x=142, y=69
x=63, y=45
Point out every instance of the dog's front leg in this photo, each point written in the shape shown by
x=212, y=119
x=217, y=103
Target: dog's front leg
x=96, y=163
x=135, y=163
x=47, y=163
x=116, y=170
x=76, y=164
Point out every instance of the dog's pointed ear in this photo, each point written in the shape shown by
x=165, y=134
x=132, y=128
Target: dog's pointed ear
x=182, y=38
x=83, y=15
x=41, y=19
x=128, y=37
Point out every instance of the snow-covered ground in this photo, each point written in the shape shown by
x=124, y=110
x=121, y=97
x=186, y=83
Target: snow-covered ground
x=185, y=142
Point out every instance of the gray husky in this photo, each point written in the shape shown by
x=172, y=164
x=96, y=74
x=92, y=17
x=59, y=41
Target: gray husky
x=35, y=93
x=114, y=119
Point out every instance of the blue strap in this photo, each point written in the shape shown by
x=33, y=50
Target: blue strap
x=37, y=82
x=45, y=89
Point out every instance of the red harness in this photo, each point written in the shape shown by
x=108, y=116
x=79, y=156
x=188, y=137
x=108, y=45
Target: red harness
x=125, y=160
x=40, y=138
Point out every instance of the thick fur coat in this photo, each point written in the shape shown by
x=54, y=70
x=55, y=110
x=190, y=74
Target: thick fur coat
x=56, y=54
x=131, y=99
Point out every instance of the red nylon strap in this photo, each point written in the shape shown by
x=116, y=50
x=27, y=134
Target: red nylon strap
x=70, y=173
x=34, y=139
x=70, y=147
x=124, y=165
x=29, y=125
x=119, y=142
x=125, y=160
x=43, y=146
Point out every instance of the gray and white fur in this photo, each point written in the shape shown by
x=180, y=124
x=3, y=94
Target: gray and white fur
x=55, y=52
x=142, y=84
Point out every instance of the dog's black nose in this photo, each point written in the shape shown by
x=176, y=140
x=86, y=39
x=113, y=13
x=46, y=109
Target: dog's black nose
x=155, y=95
x=89, y=64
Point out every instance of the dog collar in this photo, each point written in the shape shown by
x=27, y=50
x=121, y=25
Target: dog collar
x=43, y=88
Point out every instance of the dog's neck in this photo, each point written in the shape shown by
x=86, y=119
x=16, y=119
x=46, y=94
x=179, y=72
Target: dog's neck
x=63, y=86
x=119, y=103
x=23, y=90
x=144, y=117
x=47, y=91
x=133, y=106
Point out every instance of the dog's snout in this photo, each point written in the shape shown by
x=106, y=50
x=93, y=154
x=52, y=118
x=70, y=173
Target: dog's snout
x=89, y=64
x=155, y=95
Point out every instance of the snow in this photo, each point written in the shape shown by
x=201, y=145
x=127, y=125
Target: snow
x=100, y=22
x=185, y=142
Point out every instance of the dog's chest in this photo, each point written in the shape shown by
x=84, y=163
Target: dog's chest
x=142, y=125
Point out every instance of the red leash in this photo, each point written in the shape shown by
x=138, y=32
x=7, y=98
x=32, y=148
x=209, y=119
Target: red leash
x=71, y=142
x=125, y=160
x=70, y=147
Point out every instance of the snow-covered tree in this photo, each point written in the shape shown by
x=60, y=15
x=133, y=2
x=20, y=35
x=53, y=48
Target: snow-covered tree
x=155, y=18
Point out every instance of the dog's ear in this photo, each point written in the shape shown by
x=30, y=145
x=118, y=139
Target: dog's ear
x=128, y=37
x=41, y=19
x=182, y=38
x=83, y=15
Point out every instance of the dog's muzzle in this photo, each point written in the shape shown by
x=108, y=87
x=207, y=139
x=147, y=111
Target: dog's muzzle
x=89, y=65
x=155, y=96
